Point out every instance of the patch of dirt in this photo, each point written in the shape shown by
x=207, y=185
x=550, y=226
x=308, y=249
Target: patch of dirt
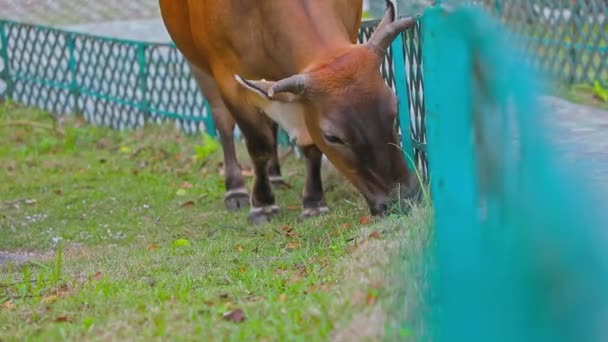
x=73, y=251
x=370, y=271
x=21, y=257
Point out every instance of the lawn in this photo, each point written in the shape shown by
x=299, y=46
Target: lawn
x=109, y=235
x=585, y=94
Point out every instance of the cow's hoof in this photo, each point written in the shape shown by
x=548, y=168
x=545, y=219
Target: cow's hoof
x=261, y=215
x=279, y=183
x=312, y=212
x=236, y=199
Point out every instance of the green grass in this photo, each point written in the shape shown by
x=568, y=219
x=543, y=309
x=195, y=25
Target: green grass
x=128, y=239
x=585, y=94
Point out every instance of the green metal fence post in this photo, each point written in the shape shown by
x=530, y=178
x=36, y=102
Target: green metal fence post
x=398, y=48
x=73, y=70
x=6, y=73
x=453, y=188
x=144, y=106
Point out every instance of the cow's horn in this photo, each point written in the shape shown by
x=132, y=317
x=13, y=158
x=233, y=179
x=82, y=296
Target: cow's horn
x=388, y=29
x=295, y=84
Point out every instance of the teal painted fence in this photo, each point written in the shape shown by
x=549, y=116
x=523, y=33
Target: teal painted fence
x=567, y=39
x=520, y=250
x=125, y=84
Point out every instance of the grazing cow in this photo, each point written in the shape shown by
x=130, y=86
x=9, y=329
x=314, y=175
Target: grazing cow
x=326, y=91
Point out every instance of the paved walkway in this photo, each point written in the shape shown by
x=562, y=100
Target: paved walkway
x=62, y=12
x=147, y=30
x=582, y=136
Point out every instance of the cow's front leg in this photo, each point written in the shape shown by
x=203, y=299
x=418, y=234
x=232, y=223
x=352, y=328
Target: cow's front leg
x=313, y=197
x=260, y=147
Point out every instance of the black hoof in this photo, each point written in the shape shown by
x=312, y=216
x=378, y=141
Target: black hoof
x=313, y=212
x=236, y=199
x=262, y=215
x=279, y=183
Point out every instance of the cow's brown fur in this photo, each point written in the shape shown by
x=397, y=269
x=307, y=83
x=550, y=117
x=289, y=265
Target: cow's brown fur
x=349, y=110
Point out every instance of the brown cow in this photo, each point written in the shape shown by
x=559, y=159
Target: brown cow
x=328, y=93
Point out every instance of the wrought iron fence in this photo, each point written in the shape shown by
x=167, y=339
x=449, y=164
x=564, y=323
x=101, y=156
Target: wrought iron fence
x=518, y=252
x=125, y=84
x=565, y=39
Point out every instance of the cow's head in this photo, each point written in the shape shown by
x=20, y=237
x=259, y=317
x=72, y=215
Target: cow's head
x=351, y=114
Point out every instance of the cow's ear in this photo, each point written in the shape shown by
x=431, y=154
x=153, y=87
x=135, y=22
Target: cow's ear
x=262, y=90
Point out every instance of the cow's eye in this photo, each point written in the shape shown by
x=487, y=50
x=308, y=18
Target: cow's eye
x=332, y=139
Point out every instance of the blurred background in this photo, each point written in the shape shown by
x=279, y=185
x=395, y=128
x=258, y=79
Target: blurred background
x=137, y=19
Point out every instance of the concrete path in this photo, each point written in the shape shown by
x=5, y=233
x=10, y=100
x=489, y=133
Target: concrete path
x=581, y=134
x=147, y=30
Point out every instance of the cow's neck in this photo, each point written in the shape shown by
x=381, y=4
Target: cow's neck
x=301, y=37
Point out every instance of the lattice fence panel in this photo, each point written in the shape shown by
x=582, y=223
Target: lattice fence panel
x=125, y=84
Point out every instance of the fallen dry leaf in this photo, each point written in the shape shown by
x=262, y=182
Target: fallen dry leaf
x=50, y=299
x=294, y=245
x=282, y=298
x=152, y=247
x=374, y=235
x=186, y=204
x=97, y=276
x=312, y=288
x=371, y=298
x=280, y=271
x=239, y=248
x=365, y=220
x=243, y=269
x=322, y=261
x=9, y=305
x=63, y=291
x=235, y=316
x=352, y=248
x=290, y=232
x=293, y=207
x=301, y=272
x=64, y=319
x=186, y=185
